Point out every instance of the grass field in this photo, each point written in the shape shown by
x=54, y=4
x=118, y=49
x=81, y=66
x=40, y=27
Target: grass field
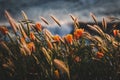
x=31, y=52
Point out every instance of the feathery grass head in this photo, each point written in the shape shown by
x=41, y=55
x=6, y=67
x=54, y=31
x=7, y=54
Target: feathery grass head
x=61, y=66
x=94, y=18
x=11, y=21
x=56, y=20
x=44, y=20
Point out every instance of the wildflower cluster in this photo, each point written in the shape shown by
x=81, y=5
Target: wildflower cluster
x=33, y=51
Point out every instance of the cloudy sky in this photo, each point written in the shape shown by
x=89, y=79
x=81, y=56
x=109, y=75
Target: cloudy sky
x=61, y=9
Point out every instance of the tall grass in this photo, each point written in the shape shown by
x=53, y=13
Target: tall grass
x=33, y=53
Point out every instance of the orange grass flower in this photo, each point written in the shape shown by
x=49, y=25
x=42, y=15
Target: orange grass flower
x=69, y=38
x=22, y=40
x=78, y=33
x=77, y=59
x=100, y=54
x=26, y=49
x=56, y=38
x=3, y=30
x=115, y=32
x=38, y=26
x=31, y=46
x=32, y=36
x=56, y=72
